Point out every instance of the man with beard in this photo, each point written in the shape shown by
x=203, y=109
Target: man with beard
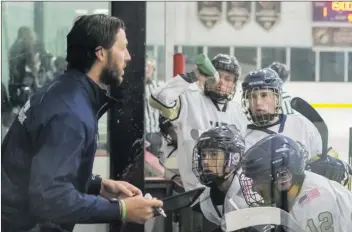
x=47, y=155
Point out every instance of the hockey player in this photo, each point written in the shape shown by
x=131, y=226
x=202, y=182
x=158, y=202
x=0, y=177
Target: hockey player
x=283, y=72
x=193, y=110
x=262, y=102
x=216, y=162
x=216, y=165
x=275, y=169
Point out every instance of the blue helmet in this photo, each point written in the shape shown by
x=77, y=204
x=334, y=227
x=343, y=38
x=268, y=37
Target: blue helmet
x=277, y=162
x=281, y=69
x=263, y=79
x=217, y=154
x=227, y=63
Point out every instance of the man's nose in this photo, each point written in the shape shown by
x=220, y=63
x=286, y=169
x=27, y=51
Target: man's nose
x=127, y=55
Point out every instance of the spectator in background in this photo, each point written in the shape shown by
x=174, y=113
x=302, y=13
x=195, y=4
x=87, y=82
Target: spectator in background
x=5, y=111
x=5, y=103
x=151, y=115
x=23, y=64
x=60, y=65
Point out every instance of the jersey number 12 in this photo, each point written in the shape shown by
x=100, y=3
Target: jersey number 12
x=326, y=223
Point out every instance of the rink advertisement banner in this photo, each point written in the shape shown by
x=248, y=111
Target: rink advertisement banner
x=267, y=14
x=238, y=13
x=332, y=36
x=209, y=13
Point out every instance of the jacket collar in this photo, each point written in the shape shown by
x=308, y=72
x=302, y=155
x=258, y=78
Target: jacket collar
x=100, y=99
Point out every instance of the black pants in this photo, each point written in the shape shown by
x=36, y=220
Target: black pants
x=190, y=221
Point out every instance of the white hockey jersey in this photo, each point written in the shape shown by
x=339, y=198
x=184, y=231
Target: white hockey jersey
x=323, y=205
x=296, y=127
x=233, y=194
x=191, y=112
x=286, y=104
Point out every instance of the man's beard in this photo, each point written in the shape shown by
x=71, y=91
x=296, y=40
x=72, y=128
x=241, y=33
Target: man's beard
x=111, y=75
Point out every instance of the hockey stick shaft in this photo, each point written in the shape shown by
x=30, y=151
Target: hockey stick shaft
x=312, y=115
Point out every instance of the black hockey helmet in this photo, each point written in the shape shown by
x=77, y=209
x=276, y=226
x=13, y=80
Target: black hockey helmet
x=331, y=168
x=263, y=79
x=281, y=69
x=227, y=63
x=217, y=154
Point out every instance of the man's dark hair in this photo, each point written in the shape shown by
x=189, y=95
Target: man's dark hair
x=88, y=33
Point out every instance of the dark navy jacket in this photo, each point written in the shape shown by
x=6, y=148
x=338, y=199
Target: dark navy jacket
x=47, y=158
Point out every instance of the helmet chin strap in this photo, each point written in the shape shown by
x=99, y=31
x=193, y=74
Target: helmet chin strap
x=291, y=193
x=272, y=119
x=225, y=182
x=217, y=97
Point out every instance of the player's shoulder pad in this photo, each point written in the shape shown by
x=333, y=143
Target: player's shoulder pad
x=192, y=89
x=315, y=184
x=298, y=119
x=235, y=104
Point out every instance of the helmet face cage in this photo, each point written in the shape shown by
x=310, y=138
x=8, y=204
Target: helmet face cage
x=252, y=198
x=214, y=160
x=211, y=91
x=266, y=118
x=222, y=62
x=266, y=187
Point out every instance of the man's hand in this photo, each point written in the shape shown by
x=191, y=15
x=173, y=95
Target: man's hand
x=118, y=189
x=200, y=77
x=139, y=209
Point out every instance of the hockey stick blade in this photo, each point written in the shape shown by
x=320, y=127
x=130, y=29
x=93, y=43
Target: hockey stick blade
x=312, y=115
x=250, y=217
